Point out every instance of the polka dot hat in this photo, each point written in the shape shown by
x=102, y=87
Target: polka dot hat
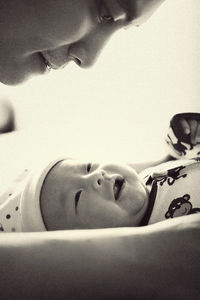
x=31, y=217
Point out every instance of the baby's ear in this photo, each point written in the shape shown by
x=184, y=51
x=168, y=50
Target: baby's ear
x=186, y=197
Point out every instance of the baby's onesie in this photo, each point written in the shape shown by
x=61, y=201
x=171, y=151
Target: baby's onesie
x=175, y=186
x=174, y=190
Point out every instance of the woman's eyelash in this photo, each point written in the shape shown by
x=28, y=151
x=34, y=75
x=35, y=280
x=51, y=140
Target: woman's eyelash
x=105, y=15
x=89, y=166
x=107, y=18
x=77, y=198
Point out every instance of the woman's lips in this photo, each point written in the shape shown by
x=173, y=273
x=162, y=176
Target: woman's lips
x=46, y=62
x=53, y=62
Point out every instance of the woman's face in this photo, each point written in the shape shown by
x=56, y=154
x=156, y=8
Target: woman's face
x=78, y=195
x=36, y=35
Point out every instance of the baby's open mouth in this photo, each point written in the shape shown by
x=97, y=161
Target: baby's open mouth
x=118, y=187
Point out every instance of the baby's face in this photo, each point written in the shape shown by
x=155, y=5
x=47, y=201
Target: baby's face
x=78, y=195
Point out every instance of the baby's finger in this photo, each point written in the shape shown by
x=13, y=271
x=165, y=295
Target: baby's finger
x=193, y=129
x=198, y=133
x=185, y=126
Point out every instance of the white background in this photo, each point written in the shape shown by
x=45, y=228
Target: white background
x=119, y=109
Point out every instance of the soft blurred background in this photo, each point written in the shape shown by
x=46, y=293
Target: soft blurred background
x=119, y=109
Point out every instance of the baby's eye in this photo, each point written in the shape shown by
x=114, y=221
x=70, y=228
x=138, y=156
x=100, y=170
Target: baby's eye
x=89, y=166
x=76, y=199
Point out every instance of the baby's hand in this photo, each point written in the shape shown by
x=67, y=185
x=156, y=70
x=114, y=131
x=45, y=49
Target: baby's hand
x=186, y=127
x=191, y=127
x=183, y=138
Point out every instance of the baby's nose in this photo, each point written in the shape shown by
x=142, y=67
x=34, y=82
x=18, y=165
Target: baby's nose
x=96, y=178
x=100, y=177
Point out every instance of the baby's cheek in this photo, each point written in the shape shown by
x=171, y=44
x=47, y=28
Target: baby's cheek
x=139, y=197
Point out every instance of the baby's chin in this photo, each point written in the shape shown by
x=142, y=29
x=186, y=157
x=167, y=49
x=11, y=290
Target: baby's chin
x=144, y=195
x=145, y=188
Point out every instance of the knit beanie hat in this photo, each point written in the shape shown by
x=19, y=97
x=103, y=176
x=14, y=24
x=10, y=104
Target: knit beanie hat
x=31, y=216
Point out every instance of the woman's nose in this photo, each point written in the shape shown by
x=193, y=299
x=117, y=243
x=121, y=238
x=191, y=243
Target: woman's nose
x=84, y=55
x=86, y=51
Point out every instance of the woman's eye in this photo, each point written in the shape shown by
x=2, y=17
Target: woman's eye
x=89, y=166
x=105, y=15
x=107, y=18
x=76, y=199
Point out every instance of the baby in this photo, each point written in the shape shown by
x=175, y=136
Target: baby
x=67, y=194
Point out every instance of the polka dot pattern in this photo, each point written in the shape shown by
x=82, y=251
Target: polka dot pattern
x=10, y=214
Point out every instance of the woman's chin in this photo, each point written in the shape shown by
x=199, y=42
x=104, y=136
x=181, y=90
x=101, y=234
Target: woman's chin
x=13, y=79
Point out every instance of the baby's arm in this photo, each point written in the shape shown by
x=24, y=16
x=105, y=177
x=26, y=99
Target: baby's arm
x=191, y=127
x=183, y=140
x=139, y=167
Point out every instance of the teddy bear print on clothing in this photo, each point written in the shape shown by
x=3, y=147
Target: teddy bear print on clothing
x=166, y=183
x=181, y=207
